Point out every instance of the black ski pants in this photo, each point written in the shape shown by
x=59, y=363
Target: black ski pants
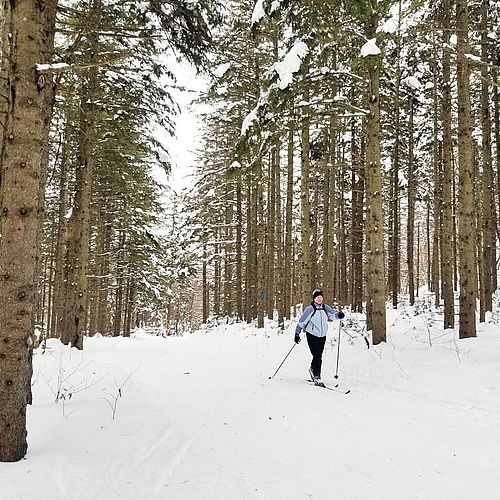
x=316, y=346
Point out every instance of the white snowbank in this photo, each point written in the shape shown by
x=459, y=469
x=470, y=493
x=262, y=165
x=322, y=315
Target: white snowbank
x=197, y=417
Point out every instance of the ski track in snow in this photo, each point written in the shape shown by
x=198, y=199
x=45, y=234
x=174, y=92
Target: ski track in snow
x=199, y=419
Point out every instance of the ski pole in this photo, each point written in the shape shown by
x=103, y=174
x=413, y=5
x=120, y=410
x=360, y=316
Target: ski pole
x=283, y=360
x=338, y=352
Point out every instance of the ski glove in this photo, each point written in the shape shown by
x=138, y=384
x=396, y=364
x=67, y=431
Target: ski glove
x=340, y=315
x=297, y=338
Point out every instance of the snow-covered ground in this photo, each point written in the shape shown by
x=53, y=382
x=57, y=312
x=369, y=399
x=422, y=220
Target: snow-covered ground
x=198, y=418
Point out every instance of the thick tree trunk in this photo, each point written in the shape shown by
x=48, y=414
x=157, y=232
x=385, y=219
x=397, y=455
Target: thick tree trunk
x=466, y=232
x=78, y=241
x=437, y=196
x=375, y=227
x=31, y=97
x=357, y=224
x=5, y=46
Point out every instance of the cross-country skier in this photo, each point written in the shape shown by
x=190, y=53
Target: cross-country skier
x=314, y=322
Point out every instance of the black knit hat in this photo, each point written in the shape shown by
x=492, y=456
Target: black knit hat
x=317, y=293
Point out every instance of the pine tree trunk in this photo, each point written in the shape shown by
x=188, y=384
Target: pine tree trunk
x=271, y=237
x=249, y=264
x=5, y=20
x=305, y=222
x=488, y=200
x=466, y=232
x=343, y=285
x=448, y=174
x=357, y=224
x=375, y=227
x=103, y=255
x=410, y=237
x=330, y=208
x=496, y=120
x=120, y=278
x=260, y=253
x=239, y=244
x=206, y=308
x=78, y=241
x=288, y=263
x=31, y=98
x=437, y=191
x=228, y=246
x=59, y=289
x=130, y=307
x=394, y=250
x=279, y=241
x=217, y=275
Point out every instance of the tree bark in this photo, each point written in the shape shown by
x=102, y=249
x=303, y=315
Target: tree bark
x=466, y=232
x=305, y=222
x=31, y=98
x=488, y=200
x=375, y=227
x=288, y=226
x=447, y=202
x=410, y=236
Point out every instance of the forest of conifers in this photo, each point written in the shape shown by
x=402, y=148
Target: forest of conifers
x=352, y=146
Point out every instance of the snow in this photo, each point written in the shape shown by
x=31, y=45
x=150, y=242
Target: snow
x=413, y=82
x=258, y=12
x=290, y=64
x=389, y=26
x=275, y=5
x=370, y=48
x=249, y=120
x=199, y=418
x=473, y=57
x=48, y=67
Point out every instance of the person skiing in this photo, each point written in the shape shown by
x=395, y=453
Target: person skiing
x=314, y=322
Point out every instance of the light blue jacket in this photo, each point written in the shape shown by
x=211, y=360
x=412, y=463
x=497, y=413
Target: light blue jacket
x=316, y=324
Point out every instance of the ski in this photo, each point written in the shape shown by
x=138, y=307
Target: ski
x=335, y=388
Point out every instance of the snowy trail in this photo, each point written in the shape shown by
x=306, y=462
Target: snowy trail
x=200, y=419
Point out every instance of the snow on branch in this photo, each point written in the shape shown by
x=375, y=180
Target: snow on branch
x=258, y=12
x=52, y=67
x=249, y=120
x=370, y=48
x=290, y=64
x=390, y=26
